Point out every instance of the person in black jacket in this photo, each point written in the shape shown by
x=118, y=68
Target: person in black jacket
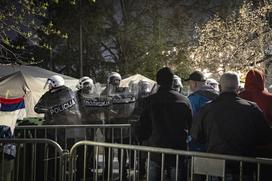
x=231, y=125
x=167, y=113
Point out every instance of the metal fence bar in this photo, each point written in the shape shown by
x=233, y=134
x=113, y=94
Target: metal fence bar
x=177, y=156
x=73, y=126
x=162, y=166
x=84, y=162
x=121, y=165
x=177, y=167
x=241, y=171
x=46, y=154
x=96, y=161
x=258, y=172
x=134, y=165
x=148, y=166
x=109, y=165
x=26, y=169
x=61, y=133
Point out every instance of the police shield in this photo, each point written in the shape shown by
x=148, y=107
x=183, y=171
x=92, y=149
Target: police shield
x=94, y=108
x=123, y=104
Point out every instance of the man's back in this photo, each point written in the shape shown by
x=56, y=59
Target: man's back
x=167, y=118
x=230, y=125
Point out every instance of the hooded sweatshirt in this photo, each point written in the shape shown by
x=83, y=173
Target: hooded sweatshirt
x=255, y=92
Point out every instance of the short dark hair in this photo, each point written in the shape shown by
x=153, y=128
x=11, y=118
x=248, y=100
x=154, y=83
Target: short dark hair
x=196, y=76
x=165, y=77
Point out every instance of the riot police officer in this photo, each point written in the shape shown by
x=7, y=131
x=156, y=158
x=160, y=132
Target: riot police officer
x=122, y=107
x=89, y=101
x=177, y=85
x=60, y=107
x=59, y=103
x=92, y=108
x=113, y=84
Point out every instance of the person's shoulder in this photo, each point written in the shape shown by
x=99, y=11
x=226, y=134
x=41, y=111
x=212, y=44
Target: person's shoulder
x=66, y=88
x=244, y=94
x=195, y=96
x=246, y=102
x=47, y=93
x=179, y=97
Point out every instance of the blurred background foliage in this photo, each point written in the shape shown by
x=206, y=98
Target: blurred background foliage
x=86, y=37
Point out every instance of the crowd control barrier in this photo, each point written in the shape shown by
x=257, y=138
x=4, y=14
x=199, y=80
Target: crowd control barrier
x=67, y=135
x=169, y=163
x=31, y=160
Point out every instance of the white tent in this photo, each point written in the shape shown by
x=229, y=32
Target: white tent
x=37, y=73
x=136, y=78
x=28, y=81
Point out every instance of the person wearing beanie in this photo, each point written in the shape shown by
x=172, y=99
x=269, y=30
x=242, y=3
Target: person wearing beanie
x=167, y=113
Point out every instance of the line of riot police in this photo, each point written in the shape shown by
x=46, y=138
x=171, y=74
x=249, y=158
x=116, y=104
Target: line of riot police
x=92, y=104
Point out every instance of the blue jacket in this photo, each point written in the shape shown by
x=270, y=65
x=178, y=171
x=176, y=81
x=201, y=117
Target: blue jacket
x=198, y=99
x=201, y=97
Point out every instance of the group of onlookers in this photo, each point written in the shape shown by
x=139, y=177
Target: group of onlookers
x=225, y=122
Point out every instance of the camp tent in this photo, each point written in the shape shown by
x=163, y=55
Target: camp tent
x=136, y=79
x=37, y=73
x=28, y=82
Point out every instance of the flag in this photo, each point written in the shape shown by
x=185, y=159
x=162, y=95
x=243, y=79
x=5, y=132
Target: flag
x=11, y=109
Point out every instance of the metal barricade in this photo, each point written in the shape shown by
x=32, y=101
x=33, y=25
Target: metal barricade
x=31, y=160
x=67, y=135
x=161, y=163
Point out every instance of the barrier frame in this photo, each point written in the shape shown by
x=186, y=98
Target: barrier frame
x=164, y=151
x=63, y=155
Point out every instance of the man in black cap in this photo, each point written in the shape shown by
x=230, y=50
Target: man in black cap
x=166, y=113
x=201, y=94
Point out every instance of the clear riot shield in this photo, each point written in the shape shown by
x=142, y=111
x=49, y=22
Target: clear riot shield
x=123, y=104
x=94, y=107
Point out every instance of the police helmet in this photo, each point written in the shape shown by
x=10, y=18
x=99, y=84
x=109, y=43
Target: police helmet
x=84, y=80
x=212, y=82
x=55, y=81
x=177, y=82
x=144, y=86
x=113, y=76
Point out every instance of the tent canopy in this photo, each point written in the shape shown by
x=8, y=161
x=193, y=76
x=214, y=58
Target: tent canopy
x=28, y=82
x=37, y=73
x=136, y=79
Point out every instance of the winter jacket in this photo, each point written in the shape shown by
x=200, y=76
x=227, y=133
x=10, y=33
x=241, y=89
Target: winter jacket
x=198, y=99
x=165, y=120
x=60, y=107
x=201, y=97
x=231, y=125
x=255, y=92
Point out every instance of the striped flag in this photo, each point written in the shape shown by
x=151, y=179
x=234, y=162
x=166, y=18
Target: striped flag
x=11, y=110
